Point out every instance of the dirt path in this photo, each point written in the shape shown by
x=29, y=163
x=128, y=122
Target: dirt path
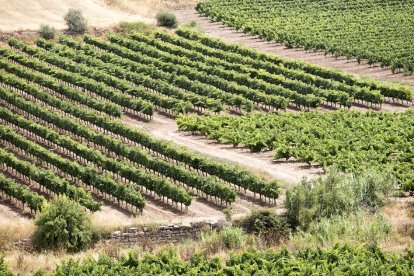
x=288, y=172
x=10, y=212
x=227, y=34
x=201, y=209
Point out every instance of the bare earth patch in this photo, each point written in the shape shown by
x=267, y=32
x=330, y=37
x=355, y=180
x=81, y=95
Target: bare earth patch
x=29, y=14
x=400, y=213
x=231, y=35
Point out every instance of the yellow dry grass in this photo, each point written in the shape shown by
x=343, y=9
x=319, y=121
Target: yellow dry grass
x=400, y=213
x=12, y=231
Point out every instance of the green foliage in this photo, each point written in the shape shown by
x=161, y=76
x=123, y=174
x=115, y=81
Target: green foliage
x=47, y=32
x=167, y=19
x=337, y=260
x=126, y=28
x=75, y=21
x=355, y=229
x=336, y=27
x=330, y=81
x=4, y=271
x=271, y=226
x=62, y=224
x=336, y=194
x=349, y=140
x=216, y=241
x=20, y=192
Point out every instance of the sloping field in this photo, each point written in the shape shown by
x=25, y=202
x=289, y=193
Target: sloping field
x=231, y=35
x=29, y=14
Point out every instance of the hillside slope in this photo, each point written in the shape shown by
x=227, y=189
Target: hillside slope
x=29, y=14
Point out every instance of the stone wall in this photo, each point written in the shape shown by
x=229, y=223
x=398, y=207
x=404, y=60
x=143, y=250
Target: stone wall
x=146, y=235
x=163, y=234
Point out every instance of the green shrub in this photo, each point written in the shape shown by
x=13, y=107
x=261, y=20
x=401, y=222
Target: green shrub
x=167, y=19
x=335, y=194
x=232, y=238
x=358, y=228
x=4, y=271
x=265, y=221
x=140, y=27
x=62, y=224
x=47, y=32
x=75, y=21
x=228, y=238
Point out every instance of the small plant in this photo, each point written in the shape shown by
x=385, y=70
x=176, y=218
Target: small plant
x=47, y=32
x=62, y=224
x=131, y=27
x=227, y=214
x=75, y=21
x=232, y=238
x=191, y=24
x=167, y=19
x=228, y=238
x=3, y=268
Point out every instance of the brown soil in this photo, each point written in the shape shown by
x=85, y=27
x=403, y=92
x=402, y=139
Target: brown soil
x=260, y=163
x=227, y=34
x=11, y=212
x=201, y=209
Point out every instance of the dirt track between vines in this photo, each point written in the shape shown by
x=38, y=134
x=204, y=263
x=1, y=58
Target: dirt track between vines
x=260, y=163
x=227, y=34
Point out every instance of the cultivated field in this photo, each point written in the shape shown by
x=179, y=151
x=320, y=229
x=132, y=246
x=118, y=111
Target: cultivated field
x=144, y=126
x=374, y=30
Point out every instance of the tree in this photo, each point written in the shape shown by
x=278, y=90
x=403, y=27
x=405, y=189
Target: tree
x=62, y=224
x=75, y=21
x=47, y=32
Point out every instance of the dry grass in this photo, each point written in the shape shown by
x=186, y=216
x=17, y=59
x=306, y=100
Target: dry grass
x=14, y=231
x=27, y=263
x=150, y=7
x=400, y=213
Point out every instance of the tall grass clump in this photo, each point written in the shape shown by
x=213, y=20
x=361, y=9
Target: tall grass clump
x=358, y=228
x=228, y=238
x=336, y=194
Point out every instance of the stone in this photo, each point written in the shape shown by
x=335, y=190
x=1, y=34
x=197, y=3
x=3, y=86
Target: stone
x=133, y=230
x=116, y=234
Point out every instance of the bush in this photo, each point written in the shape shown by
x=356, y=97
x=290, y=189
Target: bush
x=167, y=19
x=336, y=194
x=358, y=228
x=131, y=27
x=75, y=21
x=62, y=224
x=265, y=221
x=228, y=238
x=47, y=32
